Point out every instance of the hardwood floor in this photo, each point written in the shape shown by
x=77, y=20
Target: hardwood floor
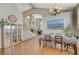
x=0, y=49
x=31, y=47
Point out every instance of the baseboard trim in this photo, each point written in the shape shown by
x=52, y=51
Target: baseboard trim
x=28, y=39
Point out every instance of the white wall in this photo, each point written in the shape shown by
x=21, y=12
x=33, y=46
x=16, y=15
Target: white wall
x=15, y=9
x=67, y=16
x=21, y=8
x=27, y=35
x=10, y=9
x=67, y=20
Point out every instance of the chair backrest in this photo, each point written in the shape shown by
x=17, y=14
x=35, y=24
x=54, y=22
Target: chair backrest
x=51, y=33
x=58, y=34
x=47, y=37
x=58, y=38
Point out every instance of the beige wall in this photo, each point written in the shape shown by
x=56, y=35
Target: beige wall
x=74, y=19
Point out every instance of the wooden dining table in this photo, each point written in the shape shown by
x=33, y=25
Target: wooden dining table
x=66, y=41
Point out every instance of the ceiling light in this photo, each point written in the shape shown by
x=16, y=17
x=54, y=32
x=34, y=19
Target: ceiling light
x=56, y=10
x=28, y=17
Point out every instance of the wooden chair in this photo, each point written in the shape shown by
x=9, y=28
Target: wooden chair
x=48, y=39
x=71, y=43
x=59, y=40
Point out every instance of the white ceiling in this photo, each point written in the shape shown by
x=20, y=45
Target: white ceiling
x=65, y=6
x=24, y=6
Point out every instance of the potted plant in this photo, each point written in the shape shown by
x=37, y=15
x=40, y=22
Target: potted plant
x=67, y=31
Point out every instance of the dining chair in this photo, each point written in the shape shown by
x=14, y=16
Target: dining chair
x=59, y=40
x=48, y=39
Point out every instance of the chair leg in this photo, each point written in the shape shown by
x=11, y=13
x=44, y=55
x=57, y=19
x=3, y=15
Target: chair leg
x=61, y=47
x=75, y=50
x=64, y=45
x=46, y=43
x=43, y=44
x=40, y=42
x=55, y=45
x=67, y=47
x=51, y=44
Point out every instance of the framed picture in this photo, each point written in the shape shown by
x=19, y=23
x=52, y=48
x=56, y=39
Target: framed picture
x=12, y=18
x=55, y=24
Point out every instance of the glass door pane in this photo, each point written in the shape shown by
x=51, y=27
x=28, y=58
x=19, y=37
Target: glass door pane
x=7, y=30
x=14, y=28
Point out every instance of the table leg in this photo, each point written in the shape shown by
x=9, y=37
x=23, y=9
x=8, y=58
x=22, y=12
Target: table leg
x=75, y=50
x=51, y=44
x=67, y=47
x=61, y=46
x=39, y=41
x=43, y=43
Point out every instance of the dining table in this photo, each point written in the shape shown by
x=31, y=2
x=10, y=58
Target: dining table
x=71, y=42
x=66, y=42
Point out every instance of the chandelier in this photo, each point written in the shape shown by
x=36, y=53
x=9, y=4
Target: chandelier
x=56, y=10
